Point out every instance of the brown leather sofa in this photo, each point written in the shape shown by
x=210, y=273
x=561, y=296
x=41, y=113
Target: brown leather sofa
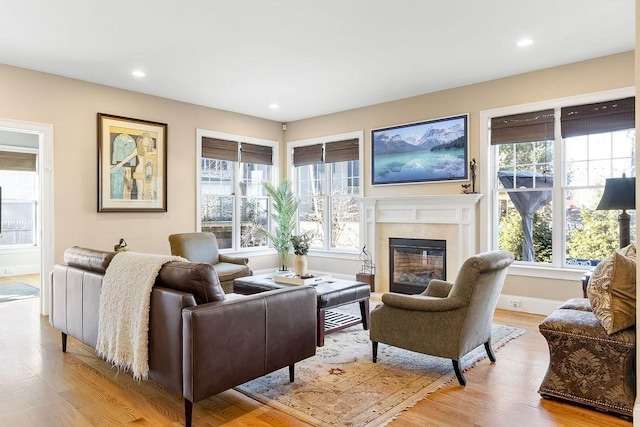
x=200, y=342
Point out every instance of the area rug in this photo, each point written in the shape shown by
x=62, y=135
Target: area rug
x=340, y=385
x=17, y=290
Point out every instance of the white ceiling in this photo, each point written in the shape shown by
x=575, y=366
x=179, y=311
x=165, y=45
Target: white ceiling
x=309, y=57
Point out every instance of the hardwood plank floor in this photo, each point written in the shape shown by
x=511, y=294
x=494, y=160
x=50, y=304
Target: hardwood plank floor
x=41, y=386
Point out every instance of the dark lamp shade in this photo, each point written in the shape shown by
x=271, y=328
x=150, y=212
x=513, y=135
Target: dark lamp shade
x=619, y=193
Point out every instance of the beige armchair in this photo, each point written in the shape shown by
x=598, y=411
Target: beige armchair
x=446, y=320
x=203, y=247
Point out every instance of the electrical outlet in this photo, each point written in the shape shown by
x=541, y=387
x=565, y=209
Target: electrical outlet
x=514, y=303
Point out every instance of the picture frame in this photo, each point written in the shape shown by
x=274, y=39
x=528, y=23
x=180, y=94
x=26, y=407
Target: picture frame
x=434, y=150
x=132, y=165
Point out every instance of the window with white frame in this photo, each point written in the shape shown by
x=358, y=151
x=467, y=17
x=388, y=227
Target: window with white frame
x=550, y=168
x=18, y=199
x=326, y=177
x=233, y=202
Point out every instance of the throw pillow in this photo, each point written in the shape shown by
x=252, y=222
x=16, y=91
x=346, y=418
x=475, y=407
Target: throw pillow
x=623, y=292
x=611, y=290
x=629, y=251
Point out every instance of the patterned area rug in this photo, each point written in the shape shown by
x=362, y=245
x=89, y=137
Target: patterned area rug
x=17, y=290
x=340, y=385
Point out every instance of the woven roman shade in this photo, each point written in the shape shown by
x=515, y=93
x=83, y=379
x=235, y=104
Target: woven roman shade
x=12, y=161
x=220, y=149
x=341, y=151
x=525, y=127
x=307, y=155
x=599, y=117
x=252, y=153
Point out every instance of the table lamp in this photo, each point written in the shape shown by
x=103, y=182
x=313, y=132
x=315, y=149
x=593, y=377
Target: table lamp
x=620, y=193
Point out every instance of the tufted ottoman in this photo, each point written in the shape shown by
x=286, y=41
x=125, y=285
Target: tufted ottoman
x=586, y=365
x=331, y=293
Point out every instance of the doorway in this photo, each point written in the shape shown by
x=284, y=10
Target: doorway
x=32, y=255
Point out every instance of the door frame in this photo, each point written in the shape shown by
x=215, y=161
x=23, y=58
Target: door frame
x=45, y=207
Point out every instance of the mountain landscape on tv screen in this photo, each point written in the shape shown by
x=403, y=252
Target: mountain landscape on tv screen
x=418, y=153
x=432, y=139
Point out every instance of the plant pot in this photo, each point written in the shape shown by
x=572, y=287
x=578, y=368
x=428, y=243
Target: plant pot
x=300, y=265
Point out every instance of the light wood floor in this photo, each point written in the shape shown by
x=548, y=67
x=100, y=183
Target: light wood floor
x=41, y=386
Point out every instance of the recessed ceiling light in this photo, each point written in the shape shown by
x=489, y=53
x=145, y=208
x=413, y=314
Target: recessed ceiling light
x=274, y=106
x=524, y=43
x=138, y=73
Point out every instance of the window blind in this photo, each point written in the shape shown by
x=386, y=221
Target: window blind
x=253, y=153
x=341, y=151
x=525, y=127
x=12, y=161
x=220, y=149
x=307, y=155
x=599, y=117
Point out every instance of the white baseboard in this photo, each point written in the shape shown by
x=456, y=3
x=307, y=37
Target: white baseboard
x=528, y=304
x=19, y=270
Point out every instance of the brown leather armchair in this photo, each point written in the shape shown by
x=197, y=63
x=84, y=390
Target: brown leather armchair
x=203, y=247
x=446, y=320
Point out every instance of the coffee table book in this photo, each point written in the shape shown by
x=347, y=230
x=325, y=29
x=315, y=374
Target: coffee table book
x=293, y=279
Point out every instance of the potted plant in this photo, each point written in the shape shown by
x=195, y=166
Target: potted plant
x=282, y=218
x=301, y=249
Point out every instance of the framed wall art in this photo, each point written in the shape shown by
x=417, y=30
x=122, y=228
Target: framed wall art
x=132, y=165
x=428, y=151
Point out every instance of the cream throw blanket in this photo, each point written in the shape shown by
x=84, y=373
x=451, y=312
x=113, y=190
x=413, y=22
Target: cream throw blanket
x=125, y=299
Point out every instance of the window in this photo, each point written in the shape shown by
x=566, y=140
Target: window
x=550, y=168
x=327, y=183
x=233, y=202
x=18, y=199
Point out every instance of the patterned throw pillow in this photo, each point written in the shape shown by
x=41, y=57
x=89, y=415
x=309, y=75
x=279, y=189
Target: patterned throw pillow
x=612, y=290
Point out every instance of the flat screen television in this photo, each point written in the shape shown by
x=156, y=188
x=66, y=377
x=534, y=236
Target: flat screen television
x=428, y=151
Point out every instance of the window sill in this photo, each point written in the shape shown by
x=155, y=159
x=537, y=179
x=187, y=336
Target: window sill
x=333, y=253
x=22, y=249
x=249, y=252
x=568, y=274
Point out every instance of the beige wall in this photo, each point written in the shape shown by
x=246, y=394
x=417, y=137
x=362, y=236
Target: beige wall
x=611, y=72
x=71, y=107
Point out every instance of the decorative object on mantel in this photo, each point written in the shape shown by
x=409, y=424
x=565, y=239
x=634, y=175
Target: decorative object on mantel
x=121, y=246
x=367, y=273
x=472, y=169
x=301, y=249
x=283, y=219
x=471, y=188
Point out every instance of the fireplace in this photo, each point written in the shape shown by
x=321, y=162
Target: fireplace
x=414, y=262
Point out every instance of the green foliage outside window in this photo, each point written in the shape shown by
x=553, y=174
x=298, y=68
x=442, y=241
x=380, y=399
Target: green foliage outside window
x=511, y=237
x=594, y=237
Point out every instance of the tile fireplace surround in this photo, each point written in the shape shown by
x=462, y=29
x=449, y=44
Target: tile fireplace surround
x=447, y=217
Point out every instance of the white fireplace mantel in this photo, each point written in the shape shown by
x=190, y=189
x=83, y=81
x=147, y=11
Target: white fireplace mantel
x=456, y=210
